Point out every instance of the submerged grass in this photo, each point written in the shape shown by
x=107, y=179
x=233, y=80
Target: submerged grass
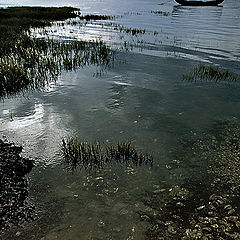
x=210, y=72
x=30, y=63
x=82, y=154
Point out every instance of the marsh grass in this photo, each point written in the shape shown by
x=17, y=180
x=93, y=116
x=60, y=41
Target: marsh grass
x=161, y=13
x=89, y=156
x=16, y=20
x=28, y=63
x=33, y=63
x=42, y=13
x=95, y=17
x=131, y=31
x=210, y=73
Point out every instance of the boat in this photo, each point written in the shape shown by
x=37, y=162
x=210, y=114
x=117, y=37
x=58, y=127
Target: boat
x=199, y=3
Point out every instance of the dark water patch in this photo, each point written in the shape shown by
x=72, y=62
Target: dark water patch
x=94, y=156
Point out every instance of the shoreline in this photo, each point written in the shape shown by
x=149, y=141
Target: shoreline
x=14, y=208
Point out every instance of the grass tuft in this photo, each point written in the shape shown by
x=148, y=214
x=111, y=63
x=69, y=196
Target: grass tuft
x=210, y=72
x=94, y=156
x=95, y=17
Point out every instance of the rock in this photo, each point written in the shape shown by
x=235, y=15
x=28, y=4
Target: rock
x=214, y=226
x=14, y=187
x=231, y=211
x=233, y=218
x=100, y=223
x=201, y=207
x=123, y=212
x=179, y=204
x=171, y=229
x=228, y=207
x=238, y=224
x=145, y=218
x=207, y=229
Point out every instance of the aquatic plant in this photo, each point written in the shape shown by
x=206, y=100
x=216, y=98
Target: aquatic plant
x=161, y=13
x=42, y=13
x=210, y=72
x=125, y=152
x=33, y=63
x=132, y=31
x=30, y=63
x=95, y=17
x=82, y=154
x=16, y=20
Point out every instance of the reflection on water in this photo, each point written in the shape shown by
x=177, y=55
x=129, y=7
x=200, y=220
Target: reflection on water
x=143, y=100
x=29, y=119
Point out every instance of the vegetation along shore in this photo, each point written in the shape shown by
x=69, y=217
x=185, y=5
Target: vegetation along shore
x=28, y=63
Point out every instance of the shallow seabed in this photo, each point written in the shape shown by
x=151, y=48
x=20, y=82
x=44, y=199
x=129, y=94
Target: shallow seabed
x=141, y=98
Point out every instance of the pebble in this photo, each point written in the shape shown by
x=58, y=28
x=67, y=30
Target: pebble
x=231, y=211
x=233, y=218
x=201, y=207
x=145, y=218
x=171, y=229
x=100, y=223
x=179, y=204
x=238, y=224
x=123, y=212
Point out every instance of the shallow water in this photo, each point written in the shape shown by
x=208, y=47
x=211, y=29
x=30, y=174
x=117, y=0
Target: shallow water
x=141, y=98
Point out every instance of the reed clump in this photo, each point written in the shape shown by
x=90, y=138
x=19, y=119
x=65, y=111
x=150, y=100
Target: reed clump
x=85, y=155
x=210, y=72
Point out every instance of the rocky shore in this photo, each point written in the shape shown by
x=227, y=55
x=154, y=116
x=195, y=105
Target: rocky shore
x=14, y=209
x=207, y=204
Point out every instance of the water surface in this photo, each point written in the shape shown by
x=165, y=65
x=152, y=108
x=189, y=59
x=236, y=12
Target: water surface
x=141, y=98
